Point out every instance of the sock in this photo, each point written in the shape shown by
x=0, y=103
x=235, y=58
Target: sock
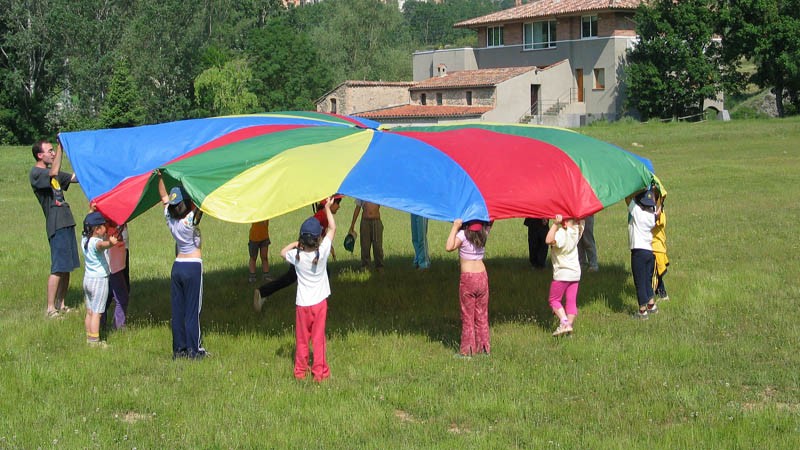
x=92, y=337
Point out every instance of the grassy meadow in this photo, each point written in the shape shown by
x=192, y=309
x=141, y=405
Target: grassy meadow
x=719, y=367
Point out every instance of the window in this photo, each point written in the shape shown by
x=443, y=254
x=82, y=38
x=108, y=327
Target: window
x=494, y=36
x=469, y=98
x=439, y=98
x=423, y=99
x=539, y=35
x=333, y=105
x=588, y=27
x=599, y=78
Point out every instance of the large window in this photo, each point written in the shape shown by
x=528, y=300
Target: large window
x=439, y=98
x=494, y=36
x=539, y=35
x=588, y=27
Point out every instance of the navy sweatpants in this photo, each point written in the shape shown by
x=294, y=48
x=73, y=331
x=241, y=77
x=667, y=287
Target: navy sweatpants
x=187, y=300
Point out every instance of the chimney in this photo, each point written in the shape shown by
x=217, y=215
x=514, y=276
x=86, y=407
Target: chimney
x=441, y=70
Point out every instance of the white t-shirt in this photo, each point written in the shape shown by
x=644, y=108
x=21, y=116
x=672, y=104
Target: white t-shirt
x=564, y=254
x=312, y=279
x=95, y=260
x=186, y=234
x=640, y=227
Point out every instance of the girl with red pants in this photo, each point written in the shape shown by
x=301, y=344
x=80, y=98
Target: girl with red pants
x=474, y=285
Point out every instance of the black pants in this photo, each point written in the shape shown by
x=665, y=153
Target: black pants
x=287, y=279
x=537, y=249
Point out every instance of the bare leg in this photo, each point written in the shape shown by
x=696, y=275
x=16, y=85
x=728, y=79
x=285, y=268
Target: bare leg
x=61, y=292
x=52, y=290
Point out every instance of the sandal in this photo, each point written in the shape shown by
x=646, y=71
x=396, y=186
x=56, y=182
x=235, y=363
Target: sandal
x=65, y=309
x=53, y=314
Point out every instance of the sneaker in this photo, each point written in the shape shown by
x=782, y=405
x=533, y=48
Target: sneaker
x=563, y=328
x=652, y=309
x=460, y=355
x=258, y=300
x=641, y=315
x=663, y=298
x=251, y=278
x=180, y=354
x=266, y=277
x=97, y=344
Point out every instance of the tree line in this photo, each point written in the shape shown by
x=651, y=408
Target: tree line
x=690, y=50
x=84, y=64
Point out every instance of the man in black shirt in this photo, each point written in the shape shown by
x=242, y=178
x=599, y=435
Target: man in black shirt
x=49, y=183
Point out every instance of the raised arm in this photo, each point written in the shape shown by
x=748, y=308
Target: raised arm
x=452, y=241
x=288, y=248
x=162, y=190
x=331, y=232
x=551, y=233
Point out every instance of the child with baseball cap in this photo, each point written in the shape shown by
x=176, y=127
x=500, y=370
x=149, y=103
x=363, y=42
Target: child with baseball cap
x=95, y=278
x=309, y=256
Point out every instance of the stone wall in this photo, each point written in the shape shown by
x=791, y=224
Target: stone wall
x=351, y=98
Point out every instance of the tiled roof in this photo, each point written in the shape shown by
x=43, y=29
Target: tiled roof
x=471, y=78
x=548, y=8
x=420, y=111
x=378, y=83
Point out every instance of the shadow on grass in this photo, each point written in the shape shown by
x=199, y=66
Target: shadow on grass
x=400, y=300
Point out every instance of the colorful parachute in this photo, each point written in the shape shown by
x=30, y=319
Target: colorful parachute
x=248, y=168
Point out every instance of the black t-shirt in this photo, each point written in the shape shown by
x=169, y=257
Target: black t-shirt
x=50, y=193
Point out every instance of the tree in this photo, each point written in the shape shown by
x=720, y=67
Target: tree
x=123, y=107
x=766, y=32
x=287, y=70
x=223, y=90
x=28, y=69
x=675, y=65
x=359, y=39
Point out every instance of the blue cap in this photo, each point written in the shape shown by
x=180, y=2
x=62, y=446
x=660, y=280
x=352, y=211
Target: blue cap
x=311, y=227
x=176, y=195
x=647, y=198
x=94, y=219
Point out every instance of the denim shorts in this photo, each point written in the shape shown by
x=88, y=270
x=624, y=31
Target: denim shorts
x=255, y=246
x=64, y=251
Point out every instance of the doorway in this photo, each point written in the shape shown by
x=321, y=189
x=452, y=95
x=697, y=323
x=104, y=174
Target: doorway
x=534, y=111
x=579, y=79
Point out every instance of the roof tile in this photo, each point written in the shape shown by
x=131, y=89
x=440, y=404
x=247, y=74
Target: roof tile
x=548, y=8
x=472, y=78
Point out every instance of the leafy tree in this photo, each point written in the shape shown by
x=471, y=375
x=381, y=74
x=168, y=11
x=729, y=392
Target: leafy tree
x=122, y=107
x=163, y=42
x=287, y=72
x=767, y=32
x=675, y=65
x=28, y=70
x=359, y=39
x=223, y=90
x=431, y=24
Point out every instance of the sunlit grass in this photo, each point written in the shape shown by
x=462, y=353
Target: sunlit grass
x=717, y=368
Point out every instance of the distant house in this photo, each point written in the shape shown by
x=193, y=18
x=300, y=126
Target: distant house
x=467, y=95
x=587, y=39
x=353, y=96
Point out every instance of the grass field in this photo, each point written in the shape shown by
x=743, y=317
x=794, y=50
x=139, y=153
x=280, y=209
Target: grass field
x=717, y=368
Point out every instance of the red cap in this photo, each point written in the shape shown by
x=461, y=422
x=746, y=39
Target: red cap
x=477, y=226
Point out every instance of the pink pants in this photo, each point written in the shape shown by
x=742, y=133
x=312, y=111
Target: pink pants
x=310, y=326
x=564, y=288
x=473, y=291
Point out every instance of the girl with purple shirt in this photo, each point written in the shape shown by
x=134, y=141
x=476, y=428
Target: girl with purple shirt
x=473, y=287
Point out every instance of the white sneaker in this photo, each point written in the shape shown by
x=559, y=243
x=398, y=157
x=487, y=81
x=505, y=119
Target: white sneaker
x=563, y=328
x=258, y=300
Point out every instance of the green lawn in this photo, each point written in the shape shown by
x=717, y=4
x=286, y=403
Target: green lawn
x=717, y=368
